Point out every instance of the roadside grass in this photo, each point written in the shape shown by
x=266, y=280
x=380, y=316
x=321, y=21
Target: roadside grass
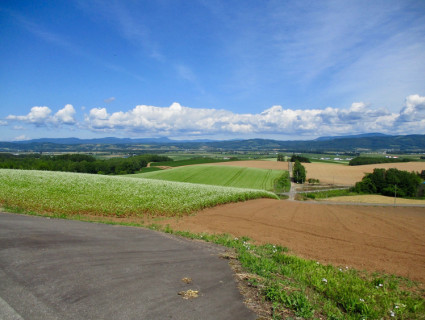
x=229, y=176
x=187, y=162
x=299, y=287
x=312, y=290
x=118, y=196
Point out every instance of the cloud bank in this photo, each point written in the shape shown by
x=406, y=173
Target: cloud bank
x=177, y=120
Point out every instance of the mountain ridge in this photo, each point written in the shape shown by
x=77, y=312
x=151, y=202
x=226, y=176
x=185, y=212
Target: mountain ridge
x=374, y=142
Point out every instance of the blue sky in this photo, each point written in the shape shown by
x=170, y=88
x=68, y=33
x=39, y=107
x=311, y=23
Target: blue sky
x=211, y=69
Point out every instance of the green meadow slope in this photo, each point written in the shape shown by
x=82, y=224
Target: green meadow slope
x=238, y=177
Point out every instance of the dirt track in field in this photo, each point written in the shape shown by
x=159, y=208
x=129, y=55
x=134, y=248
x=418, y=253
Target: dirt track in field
x=329, y=172
x=367, y=238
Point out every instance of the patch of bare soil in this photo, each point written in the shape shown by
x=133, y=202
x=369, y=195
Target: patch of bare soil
x=370, y=238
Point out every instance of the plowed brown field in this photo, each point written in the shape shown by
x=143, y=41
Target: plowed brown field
x=329, y=172
x=372, y=238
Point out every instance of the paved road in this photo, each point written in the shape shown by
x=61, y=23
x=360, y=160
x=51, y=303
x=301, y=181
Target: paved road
x=61, y=269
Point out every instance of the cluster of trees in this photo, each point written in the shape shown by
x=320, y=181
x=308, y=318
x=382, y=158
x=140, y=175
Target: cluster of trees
x=298, y=172
x=358, y=161
x=390, y=182
x=78, y=163
x=295, y=158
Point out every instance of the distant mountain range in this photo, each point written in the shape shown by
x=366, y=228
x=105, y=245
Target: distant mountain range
x=108, y=140
x=351, y=143
x=363, y=135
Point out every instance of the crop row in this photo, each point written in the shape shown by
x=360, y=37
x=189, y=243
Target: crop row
x=75, y=193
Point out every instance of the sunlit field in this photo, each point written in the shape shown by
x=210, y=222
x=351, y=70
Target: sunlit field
x=229, y=176
x=74, y=193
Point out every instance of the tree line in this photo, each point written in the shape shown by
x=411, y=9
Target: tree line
x=78, y=163
x=294, y=158
x=358, y=161
x=391, y=182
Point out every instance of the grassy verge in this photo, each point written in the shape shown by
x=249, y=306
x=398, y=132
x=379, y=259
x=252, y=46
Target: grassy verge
x=305, y=288
x=312, y=290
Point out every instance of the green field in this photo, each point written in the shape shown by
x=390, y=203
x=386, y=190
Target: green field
x=227, y=176
x=76, y=193
x=187, y=162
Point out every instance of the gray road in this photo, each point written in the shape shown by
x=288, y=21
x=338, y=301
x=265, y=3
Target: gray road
x=61, y=269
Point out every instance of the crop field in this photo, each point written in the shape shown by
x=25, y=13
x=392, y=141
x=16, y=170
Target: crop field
x=331, y=173
x=229, y=176
x=349, y=175
x=75, y=193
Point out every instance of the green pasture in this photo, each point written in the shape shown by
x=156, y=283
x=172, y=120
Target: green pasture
x=228, y=176
x=187, y=162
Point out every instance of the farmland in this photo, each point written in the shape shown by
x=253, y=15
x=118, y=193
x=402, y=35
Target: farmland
x=331, y=173
x=74, y=193
x=364, y=237
x=348, y=237
x=229, y=176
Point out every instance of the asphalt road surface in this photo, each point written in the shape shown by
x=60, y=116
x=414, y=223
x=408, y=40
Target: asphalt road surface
x=62, y=269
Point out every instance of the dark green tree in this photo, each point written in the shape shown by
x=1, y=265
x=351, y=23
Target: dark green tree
x=299, y=172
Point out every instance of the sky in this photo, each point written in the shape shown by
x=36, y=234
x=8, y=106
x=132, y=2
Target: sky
x=204, y=69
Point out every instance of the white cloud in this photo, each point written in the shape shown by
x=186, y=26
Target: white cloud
x=3, y=123
x=179, y=120
x=40, y=116
x=65, y=115
x=414, y=108
x=37, y=116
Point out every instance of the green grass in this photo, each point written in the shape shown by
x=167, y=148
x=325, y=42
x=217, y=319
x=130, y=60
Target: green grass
x=74, y=193
x=187, y=162
x=229, y=176
x=150, y=169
